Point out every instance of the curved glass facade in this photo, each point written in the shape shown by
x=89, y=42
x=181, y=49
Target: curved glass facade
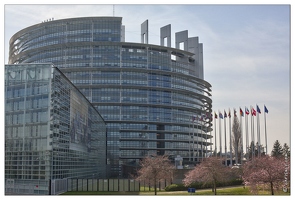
x=148, y=95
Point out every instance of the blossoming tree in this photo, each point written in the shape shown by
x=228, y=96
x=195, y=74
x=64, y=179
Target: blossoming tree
x=211, y=170
x=265, y=171
x=154, y=169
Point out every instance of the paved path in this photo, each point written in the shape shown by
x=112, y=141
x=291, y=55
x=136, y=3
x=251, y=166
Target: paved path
x=197, y=190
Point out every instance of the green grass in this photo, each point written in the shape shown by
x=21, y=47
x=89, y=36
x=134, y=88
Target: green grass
x=100, y=193
x=220, y=191
x=226, y=191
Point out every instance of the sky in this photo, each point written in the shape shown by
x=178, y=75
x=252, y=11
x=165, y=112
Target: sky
x=246, y=48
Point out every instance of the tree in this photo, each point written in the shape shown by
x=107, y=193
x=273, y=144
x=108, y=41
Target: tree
x=154, y=169
x=265, y=171
x=286, y=150
x=211, y=171
x=277, y=149
x=254, y=148
x=236, y=139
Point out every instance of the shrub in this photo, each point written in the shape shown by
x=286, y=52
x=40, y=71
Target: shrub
x=176, y=187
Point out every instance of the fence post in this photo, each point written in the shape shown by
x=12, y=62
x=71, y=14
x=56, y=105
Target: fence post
x=128, y=185
x=49, y=191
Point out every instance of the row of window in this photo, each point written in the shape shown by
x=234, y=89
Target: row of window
x=33, y=103
x=149, y=144
x=141, y=136
x=29, y=131
x=99, y=55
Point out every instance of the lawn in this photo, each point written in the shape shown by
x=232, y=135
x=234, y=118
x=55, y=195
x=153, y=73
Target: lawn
x=220, y=191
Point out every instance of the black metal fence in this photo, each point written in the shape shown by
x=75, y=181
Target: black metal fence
x=59, y=186
x=126, y=185
x=115, y=185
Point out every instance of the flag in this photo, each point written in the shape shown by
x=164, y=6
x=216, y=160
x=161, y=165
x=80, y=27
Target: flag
x=241, y=112
x=229, y=114
x=193, y=118
x=265, y=109
x=253, y=112
x=225, y=116
x=215, y=115
x=203, y=117
x=247, y=111
x=208, y=116
x=220, y=115
x=235, y=112
x=258, y=109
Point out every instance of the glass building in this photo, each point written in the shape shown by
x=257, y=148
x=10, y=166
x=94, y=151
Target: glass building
x=52, y=131
x=153, y=98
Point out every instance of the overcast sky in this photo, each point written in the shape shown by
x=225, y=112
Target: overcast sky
x=246, y=49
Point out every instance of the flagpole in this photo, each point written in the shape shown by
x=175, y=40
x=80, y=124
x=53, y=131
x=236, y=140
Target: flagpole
x=247, y=134
x=225, y=148
x=236, y=146
x=201, y=136
x=194, y=138
x=189, y=140
x=206, y=141
x=220, y=146
x=230, y=142
x=211, y=141
x=215, y=140
x=258, y=132
x=210, y=120
x=241, y=115
x=265, y=130
x=252, y=133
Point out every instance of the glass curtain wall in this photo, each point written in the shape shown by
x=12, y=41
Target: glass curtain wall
x=51, y=130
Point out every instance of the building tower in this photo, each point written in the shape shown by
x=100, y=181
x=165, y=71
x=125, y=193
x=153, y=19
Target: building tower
x=153, y=98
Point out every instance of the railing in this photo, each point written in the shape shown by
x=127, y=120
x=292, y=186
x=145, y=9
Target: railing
x=126, y=185
x=59, y=186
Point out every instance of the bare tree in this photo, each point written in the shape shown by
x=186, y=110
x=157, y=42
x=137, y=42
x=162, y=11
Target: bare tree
x=211, y=170
x=154, y=169
x=236, y=139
